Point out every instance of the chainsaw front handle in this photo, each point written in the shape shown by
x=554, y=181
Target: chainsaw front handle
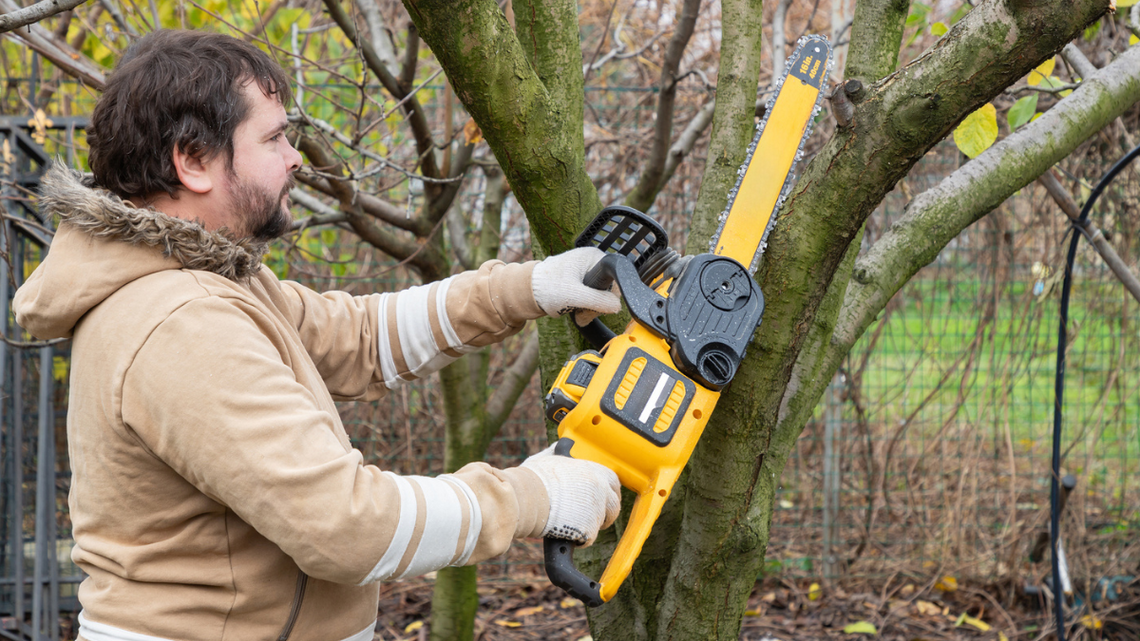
x=558, y=557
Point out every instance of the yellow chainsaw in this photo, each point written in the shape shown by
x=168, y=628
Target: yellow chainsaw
x=639, y=401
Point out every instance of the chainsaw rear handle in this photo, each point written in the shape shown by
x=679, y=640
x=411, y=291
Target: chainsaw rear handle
x=558, y=557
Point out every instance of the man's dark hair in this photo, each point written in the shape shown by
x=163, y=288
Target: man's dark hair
x=174, y=89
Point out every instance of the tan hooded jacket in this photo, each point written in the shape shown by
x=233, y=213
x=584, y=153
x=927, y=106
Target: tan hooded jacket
x=215, y=494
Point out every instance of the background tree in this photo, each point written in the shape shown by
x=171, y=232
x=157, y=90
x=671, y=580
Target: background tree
x=389, y=170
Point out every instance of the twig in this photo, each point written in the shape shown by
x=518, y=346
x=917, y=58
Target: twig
x=33, y=14
x=328, y=129
x=32, y=344
x=1092, y=233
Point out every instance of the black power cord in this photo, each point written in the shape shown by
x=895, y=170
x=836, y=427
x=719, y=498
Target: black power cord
x=1059, y=388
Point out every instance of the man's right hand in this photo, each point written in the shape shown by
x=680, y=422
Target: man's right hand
x=584, y=496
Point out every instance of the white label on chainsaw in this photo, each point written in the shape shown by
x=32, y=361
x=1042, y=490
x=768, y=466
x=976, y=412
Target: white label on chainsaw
x=655, y=400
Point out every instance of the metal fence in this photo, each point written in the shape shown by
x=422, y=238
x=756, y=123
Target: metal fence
x=927, y=457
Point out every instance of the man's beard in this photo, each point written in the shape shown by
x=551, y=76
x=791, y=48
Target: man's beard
x=264, y=214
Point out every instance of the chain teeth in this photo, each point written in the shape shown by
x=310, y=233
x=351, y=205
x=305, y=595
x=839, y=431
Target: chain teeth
x=790, y=179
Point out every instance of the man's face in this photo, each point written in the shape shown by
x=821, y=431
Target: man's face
x=258, y=184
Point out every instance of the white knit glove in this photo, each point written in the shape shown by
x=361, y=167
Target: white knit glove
x=584, y=496
x=558, y=289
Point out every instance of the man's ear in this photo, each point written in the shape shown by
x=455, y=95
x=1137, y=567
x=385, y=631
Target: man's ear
x=193, y=172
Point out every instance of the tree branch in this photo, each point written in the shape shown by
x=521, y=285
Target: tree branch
x=779, y=38
x=372, y=205
x=733, y=120
x=876, y=35
x=71, y=62
x=537, y=140
x=688, y=139
x=379, y=39
x=425, y=146
x=514, y=383
x=345, y=192
x=325, y=215
x=936, y=216
x=650, y=182
x=1092, y=232
x=30, y=15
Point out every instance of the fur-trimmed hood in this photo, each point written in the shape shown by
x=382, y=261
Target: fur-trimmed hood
x=103, y=243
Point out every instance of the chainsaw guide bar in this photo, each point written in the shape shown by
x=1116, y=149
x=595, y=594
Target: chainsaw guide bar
x=743, y=227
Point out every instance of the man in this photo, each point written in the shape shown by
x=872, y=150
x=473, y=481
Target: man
x=215, y=494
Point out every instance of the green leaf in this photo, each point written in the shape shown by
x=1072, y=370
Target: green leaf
x=939, y=29
x=960, y=13
x=918, y=14
x=978, y=131
x=860, y=627
x=1091, y=31
x=1022, y=111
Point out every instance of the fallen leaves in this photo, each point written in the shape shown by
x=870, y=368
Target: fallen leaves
x=860, y=627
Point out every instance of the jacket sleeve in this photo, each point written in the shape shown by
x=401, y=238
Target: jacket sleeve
x=411, y=333
x=209, y=394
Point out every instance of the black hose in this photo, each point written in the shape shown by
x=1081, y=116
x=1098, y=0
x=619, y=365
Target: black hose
x=1059, y=389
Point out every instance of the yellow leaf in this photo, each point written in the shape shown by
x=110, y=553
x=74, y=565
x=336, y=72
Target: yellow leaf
x=1002, y=637
x=569, y=603
x=1041, y=72
x=59, y=367
x=814, y=592
x=977, y=623
x=860, y=627
x=978, y=131
x=752, y=613
x=507, y=624
x=413, y=626
x=927, y=608
x=522, y=612
x=1091, y=622
x=946, y=584
x=1133, y=40
x=1120, y=4
x=472, y=133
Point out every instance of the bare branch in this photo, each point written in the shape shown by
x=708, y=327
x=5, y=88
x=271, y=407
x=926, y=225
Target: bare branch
x=345, y=192
x=876, y=35
x=32, y=344
x=1092, y=232
x=779, y=38
x=1074, y=57
x=117, y=16
x=373, y=206
x=688, y=139
x=649, y=183
x=507, y=393
x=378, y=31
x=325, y=215
x=411, y=59
x=30, y=15
x=425, y=146
x=335, y=133
x=60, y=54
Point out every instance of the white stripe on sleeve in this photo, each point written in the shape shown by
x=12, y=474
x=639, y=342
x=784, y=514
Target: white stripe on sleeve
x=476, y=518
x=413, y=324
x=442, y=526
x=404, y=528
x=383, y=345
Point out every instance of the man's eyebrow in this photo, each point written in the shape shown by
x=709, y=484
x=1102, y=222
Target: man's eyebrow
x=278, y=129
